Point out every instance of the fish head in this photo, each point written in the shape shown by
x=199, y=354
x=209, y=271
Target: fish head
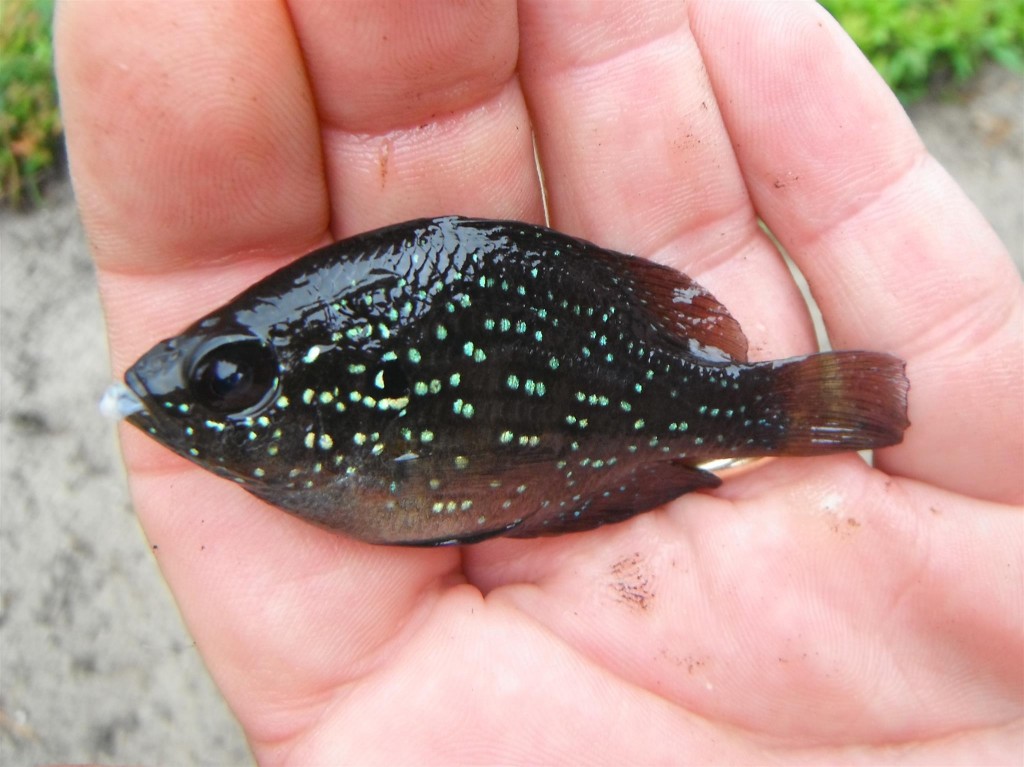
x=204, y=394
x=279, y=391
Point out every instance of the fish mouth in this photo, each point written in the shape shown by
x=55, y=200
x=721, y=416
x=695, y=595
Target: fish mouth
x=120, y=402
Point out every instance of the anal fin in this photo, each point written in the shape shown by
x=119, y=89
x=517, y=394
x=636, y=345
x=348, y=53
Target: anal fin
x=648, y=486
x=466, y=539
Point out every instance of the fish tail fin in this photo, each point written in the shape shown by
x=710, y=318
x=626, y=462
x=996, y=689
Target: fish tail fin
x=836, y=401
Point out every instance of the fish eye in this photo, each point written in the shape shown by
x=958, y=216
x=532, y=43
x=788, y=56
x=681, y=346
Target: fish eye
x=234, y=375
x=390, y=379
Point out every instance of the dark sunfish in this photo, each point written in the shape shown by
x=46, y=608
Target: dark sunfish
x=448, y=380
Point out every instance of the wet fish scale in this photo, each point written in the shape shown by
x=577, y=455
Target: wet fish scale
x=451, y=379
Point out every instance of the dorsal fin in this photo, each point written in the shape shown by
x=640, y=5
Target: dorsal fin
x=686, y=311
x=684, y=308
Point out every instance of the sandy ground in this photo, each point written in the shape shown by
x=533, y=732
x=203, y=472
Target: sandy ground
x=94, y=662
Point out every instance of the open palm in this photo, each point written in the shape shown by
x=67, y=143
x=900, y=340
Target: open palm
x=808, y=609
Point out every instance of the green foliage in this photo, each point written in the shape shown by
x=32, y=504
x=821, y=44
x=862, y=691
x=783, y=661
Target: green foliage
x=30, y=127
x=917, y=43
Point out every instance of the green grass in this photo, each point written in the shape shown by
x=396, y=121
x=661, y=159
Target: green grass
x=915, y=44
x=30, y=127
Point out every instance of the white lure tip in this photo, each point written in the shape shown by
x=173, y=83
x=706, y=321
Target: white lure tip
x=119, y=402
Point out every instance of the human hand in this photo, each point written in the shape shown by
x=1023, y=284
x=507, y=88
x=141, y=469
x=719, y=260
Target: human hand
x=808, y=609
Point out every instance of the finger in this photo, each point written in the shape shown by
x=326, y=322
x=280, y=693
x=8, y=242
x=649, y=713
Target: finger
x=196, y=159
x=636, y=156
x=898, y=259
x=189, y=148
x=421, y=112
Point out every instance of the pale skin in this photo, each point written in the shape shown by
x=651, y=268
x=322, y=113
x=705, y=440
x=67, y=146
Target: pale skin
x=811, y=610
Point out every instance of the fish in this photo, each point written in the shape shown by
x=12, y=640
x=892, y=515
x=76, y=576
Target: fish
x=449, y=380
